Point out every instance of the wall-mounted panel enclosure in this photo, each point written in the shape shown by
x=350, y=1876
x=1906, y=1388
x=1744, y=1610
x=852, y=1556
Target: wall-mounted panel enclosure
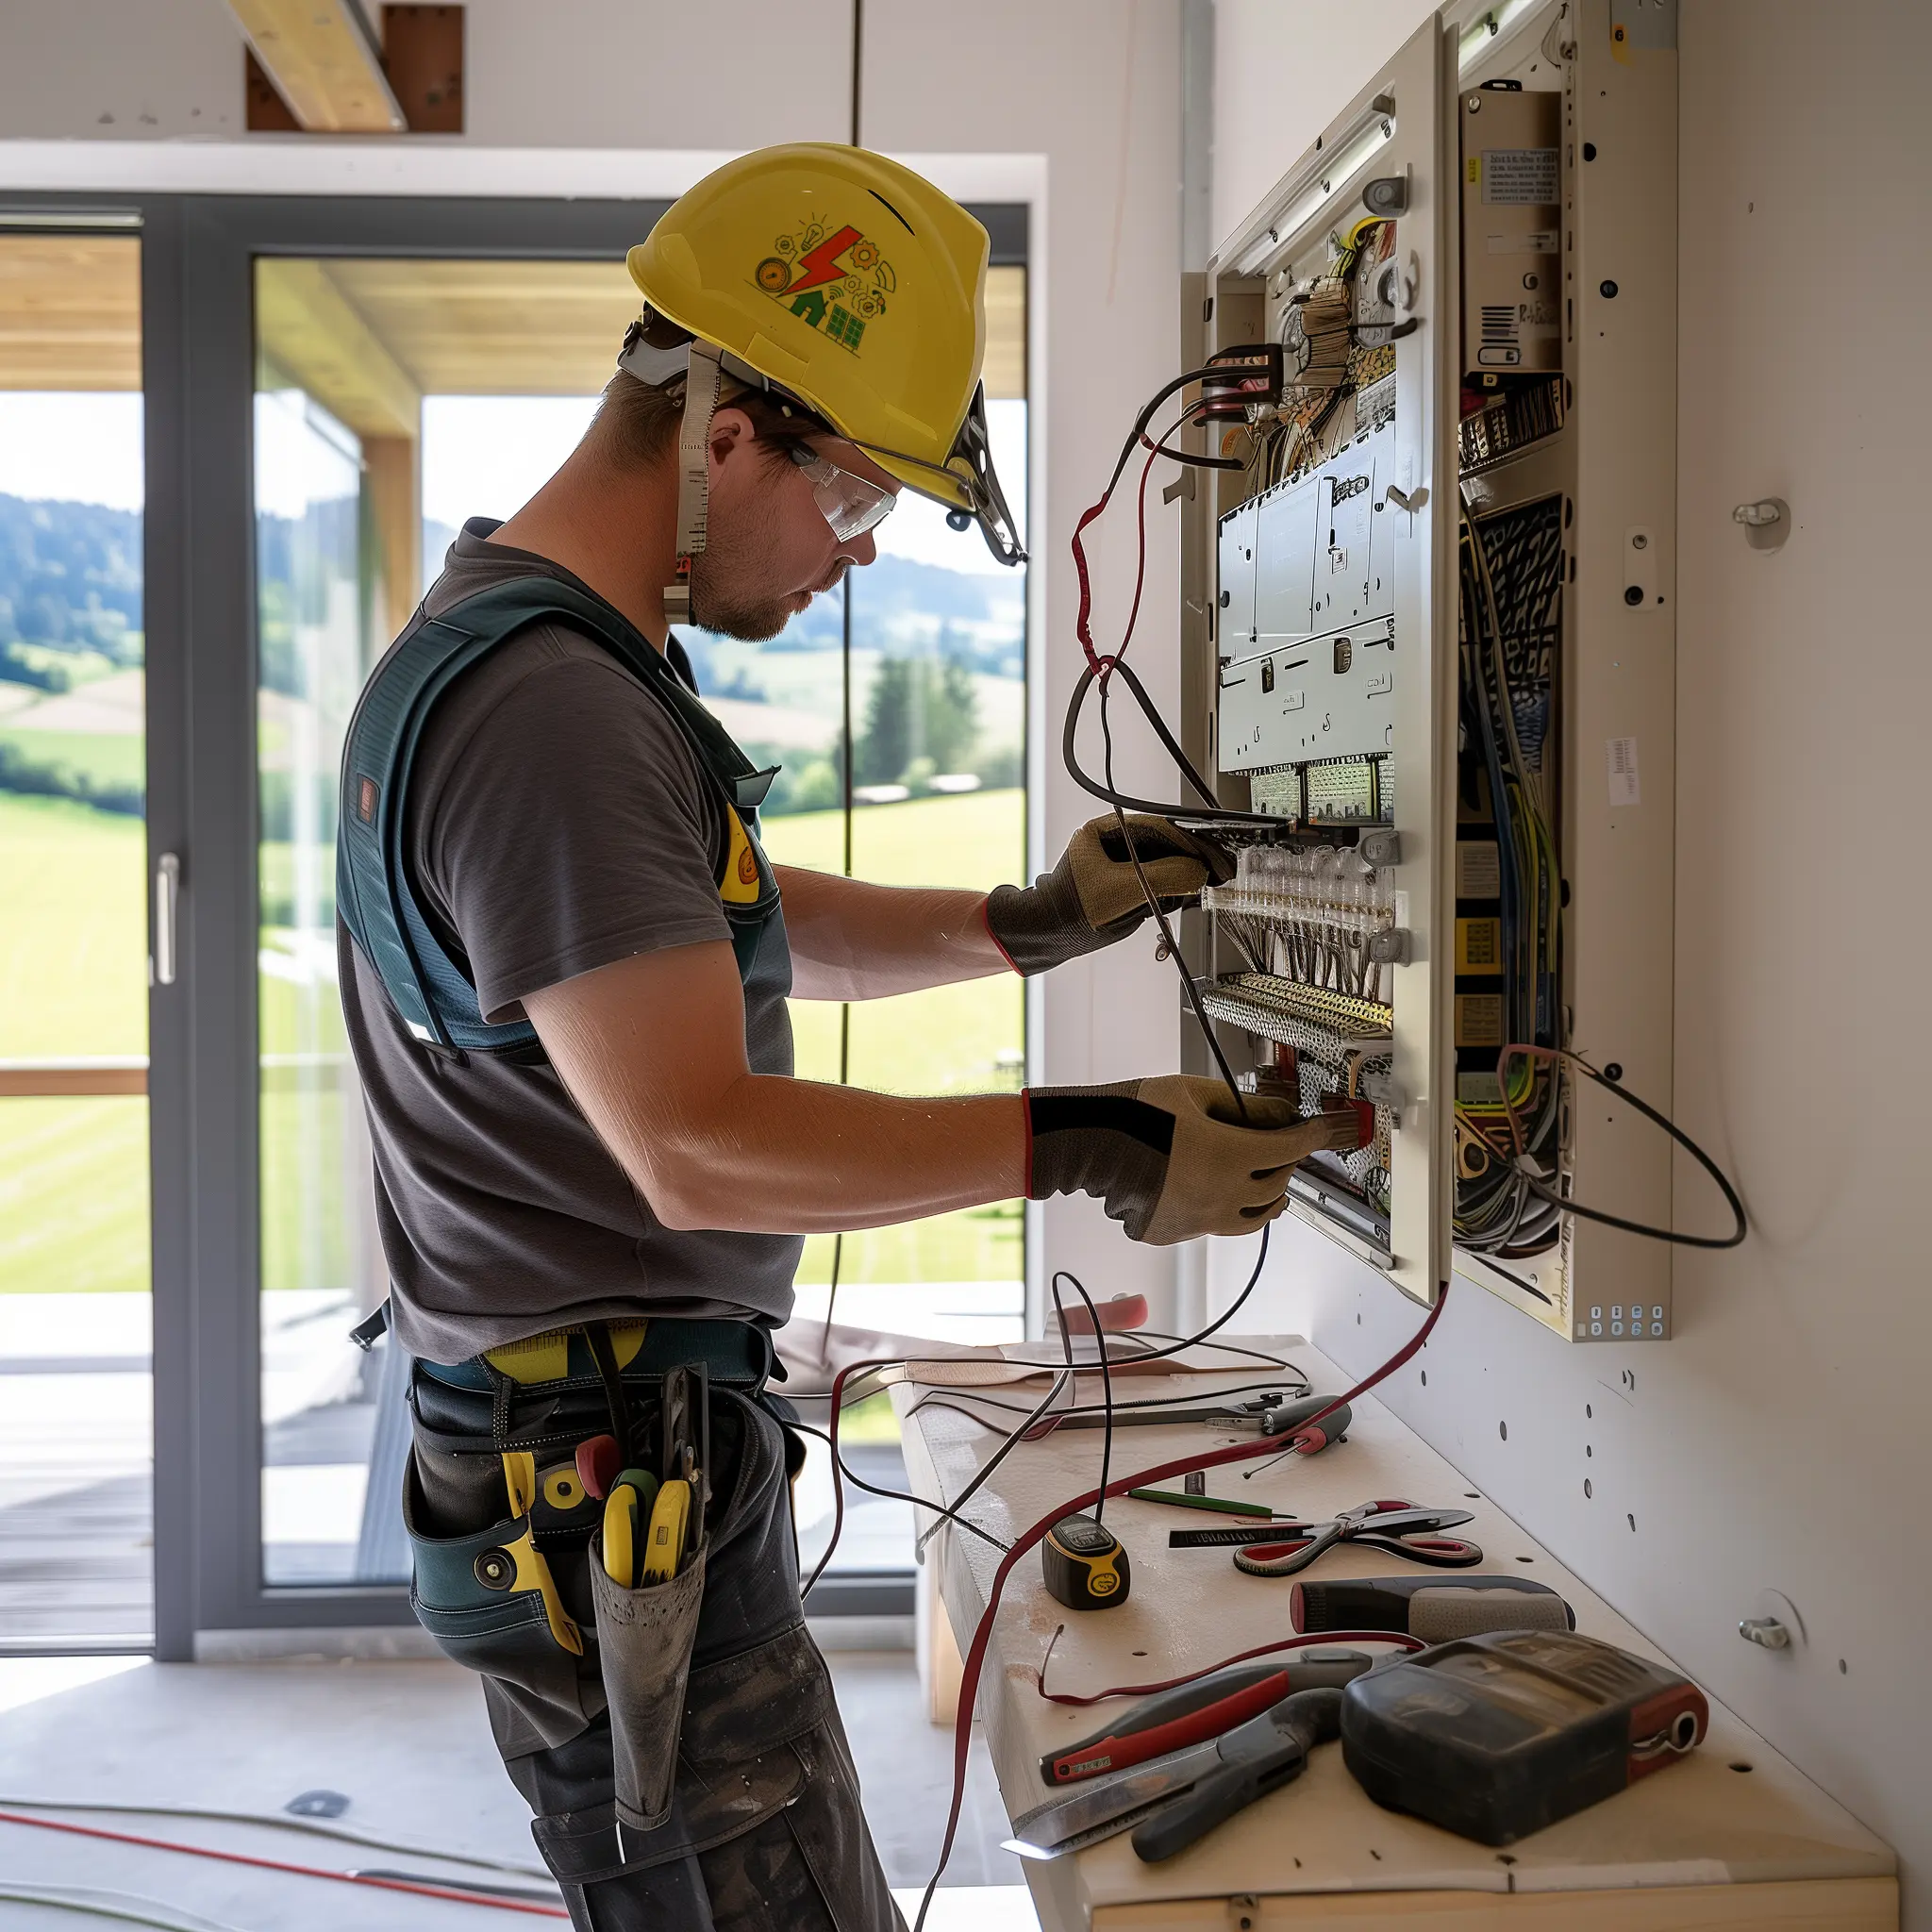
x=1334, y=701
x=1441, y=633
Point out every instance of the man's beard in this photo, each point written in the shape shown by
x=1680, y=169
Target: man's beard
x=721, y=603
x=726, y=597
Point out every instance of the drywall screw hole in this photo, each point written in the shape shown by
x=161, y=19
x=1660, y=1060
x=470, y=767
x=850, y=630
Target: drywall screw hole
x=1374, y=1855
x=1588, y=1450
x=1588, y=1491
x=1139, y=1653
x=1525, y=1560
x=1631, y=1520
x=1502, y=1430
x=1844, y=1668
x=1358, y=1321
x=1426, y=1378
x=1738, y=1764
x=1471, y=1496
x=1589, y=150
x=1589, y=1413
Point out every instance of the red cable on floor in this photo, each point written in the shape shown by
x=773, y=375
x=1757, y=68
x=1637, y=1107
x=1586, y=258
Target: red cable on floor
x=162, y=1844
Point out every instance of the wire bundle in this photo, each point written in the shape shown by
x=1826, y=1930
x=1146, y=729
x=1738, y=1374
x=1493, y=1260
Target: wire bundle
x=1513, y=587
x=1308, y=915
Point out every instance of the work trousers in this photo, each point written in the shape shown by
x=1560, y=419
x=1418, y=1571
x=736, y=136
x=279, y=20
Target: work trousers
x=764, y=1831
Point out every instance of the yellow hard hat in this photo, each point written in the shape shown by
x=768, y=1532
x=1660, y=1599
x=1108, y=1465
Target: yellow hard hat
x=847, y=283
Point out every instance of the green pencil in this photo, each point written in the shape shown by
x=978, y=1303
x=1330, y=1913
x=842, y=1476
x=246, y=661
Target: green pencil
x=1214, y=1503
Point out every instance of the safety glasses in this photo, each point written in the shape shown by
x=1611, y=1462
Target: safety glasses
x=849, y=504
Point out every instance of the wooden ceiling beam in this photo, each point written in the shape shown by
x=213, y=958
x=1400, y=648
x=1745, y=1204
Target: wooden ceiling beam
x=309, y=329
x=319, y=56
x=69, y=312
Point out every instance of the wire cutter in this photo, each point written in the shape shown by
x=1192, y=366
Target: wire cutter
x=1400, y=1528
x=1171, y=1801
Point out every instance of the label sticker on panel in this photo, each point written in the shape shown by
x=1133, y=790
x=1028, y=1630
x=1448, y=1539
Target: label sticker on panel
x=1520, y=177
x=1478, y=946
x=1620, y=757
x=1478, y=868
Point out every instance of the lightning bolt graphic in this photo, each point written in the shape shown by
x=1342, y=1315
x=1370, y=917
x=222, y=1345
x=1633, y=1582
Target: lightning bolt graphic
x=818, y=266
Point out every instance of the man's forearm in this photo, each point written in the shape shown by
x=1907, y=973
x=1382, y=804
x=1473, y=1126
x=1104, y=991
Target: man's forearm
x=774, y=1156
x=851, y=940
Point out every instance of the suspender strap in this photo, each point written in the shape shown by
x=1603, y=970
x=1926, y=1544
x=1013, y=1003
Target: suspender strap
x=432, y=989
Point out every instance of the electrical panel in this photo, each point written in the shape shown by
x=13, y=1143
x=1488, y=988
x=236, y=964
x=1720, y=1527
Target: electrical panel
x=1434, y=595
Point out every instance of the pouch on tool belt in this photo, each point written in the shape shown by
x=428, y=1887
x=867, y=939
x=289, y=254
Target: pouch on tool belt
x=644, y=1640
x=488, y=1601
x=646, y=1634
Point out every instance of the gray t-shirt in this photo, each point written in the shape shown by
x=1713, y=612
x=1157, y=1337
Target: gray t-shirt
x=557, y=821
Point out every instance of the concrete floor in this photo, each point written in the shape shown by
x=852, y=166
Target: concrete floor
x=407, y=1744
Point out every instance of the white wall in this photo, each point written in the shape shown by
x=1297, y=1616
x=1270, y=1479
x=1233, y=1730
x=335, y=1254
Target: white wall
x=1075, y=105
x=1276, y=65
x=1775, y=1442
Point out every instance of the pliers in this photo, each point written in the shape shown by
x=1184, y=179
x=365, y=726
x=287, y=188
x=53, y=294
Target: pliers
x=1398, y=1528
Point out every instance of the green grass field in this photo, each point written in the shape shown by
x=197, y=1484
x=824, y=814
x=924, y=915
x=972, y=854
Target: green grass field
x=72, y=983
x=74, y=1188
x=105, y=758
x=947, y=1040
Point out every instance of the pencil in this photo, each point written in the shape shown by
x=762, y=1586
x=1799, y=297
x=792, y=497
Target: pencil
x=1214, y=1503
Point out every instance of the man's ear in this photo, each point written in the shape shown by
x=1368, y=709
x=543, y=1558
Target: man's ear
x=731, y=433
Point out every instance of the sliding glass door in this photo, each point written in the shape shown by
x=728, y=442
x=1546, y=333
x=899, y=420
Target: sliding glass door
x=75, y=1391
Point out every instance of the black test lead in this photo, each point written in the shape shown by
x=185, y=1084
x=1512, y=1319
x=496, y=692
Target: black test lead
x=1084, y=1563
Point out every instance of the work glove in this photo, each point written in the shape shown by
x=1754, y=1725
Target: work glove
x=1092, y=897
x=1170, y=1156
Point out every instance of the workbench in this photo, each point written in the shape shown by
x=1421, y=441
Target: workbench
x=1732, y=1835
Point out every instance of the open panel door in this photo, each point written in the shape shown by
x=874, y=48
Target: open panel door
x=1319, y=583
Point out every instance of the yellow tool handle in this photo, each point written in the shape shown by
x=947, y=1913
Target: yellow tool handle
x=664, y=1547
x=520, y=1479
x=621, y=1535
x=533, y=1573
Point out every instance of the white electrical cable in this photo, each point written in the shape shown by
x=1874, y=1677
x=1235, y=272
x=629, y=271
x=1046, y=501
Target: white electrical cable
x=128, y=1907
x=313, y=1827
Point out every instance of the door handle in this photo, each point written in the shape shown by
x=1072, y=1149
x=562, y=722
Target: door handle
x=167, y=916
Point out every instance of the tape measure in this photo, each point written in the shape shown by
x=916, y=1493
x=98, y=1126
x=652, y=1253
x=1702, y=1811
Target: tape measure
x=1085, y=1564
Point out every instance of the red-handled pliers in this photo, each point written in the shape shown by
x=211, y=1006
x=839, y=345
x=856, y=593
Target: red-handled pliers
x=1400, y=1529
x=1191, y=1713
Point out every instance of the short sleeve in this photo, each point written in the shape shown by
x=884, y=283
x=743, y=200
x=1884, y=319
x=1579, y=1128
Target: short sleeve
x=568, y=829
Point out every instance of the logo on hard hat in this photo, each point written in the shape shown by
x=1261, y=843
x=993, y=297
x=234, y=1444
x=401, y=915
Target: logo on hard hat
x=834, y=280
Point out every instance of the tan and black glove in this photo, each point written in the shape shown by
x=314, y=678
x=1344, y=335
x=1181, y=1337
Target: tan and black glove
x=1092, y=897
x=1170, y=1156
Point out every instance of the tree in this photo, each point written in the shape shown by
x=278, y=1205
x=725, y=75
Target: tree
x=917, y=711
x=888, y=743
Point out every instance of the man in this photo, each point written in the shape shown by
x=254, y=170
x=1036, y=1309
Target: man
x=565, y=961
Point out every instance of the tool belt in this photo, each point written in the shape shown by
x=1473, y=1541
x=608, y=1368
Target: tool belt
x=563, y=1596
